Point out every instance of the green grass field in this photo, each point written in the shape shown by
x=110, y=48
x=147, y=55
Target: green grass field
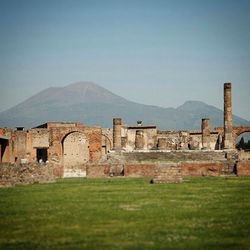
x=200, y=213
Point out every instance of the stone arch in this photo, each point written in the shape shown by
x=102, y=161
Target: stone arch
x=75, y=149
x=106, y=144
x=240, y=130
x=237, y=131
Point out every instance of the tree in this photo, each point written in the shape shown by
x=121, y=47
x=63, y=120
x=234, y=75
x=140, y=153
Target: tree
x=241, y=143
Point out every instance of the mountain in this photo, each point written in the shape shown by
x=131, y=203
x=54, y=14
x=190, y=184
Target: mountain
x=92, y=104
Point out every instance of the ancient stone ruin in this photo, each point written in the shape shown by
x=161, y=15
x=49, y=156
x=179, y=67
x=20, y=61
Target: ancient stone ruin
x=74, y=150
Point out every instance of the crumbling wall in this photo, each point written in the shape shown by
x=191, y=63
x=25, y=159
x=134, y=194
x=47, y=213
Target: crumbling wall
x=13, y=174
x=90, y=152
x=19, y=143
x=129, y=137
x=94, y=136
x=40, y=138
x=173, y=140
x=210, y=168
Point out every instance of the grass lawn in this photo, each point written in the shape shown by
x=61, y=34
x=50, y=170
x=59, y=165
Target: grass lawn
x=201, y=213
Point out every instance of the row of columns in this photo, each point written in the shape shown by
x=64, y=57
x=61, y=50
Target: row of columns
x=205, y=127
x=228, y=122
x=117, y=139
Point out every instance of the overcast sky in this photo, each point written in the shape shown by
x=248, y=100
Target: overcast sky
x=149, y=51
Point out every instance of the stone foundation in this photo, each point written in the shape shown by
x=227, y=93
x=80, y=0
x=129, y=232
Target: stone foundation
x=11, y=174
x=201, y=168
x=104, y=170
x=139, y=170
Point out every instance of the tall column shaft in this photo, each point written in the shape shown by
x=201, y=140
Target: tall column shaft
x=228, y=117
x=0, y=153
x=117, y=138
x=205, y=129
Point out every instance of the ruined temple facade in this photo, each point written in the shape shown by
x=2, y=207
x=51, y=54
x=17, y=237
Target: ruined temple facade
x=76, y=150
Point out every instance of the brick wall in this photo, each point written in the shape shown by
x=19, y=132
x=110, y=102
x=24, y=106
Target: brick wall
x=201, y=168
x=12, y=174
x=97, y=170
x=243, y=168
x=167, y=173
x=139, y=170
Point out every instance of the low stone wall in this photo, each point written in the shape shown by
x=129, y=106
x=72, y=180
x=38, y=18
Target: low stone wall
x=202, y=168
x=167, y=173
x=243, y=168
x=97, y=170
x=172, y=156
x=244, y=155
x=104, y=170
x=186, y=168
x=139, y=170
x=12, y=174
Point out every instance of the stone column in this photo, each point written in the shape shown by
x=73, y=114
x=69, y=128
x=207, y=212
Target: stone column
x=228, y=119
x=205, y=129
x=117, y=138
x=139, y=139
x=0, y=153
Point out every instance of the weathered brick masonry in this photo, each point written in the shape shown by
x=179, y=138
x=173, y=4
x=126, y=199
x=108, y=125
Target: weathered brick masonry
x=12, y=174
x=243, y=168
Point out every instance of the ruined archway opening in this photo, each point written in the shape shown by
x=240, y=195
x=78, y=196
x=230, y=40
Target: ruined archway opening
x=243, y=141
x=75, y=147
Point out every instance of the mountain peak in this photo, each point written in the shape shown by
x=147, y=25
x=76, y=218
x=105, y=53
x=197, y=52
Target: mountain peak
x=191, y=105
x=88, y=92
x=92, y=104
x=82, y=85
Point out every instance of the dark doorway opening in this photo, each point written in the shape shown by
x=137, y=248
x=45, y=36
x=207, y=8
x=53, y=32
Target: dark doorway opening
x=42, y=154
x=3, y=145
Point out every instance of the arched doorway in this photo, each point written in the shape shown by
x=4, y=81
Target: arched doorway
x=75, y=154
x=106, y=144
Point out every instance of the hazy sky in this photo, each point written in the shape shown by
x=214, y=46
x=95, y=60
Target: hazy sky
x=149, y=51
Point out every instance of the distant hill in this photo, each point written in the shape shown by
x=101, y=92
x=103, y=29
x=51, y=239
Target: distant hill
x=92, y=104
